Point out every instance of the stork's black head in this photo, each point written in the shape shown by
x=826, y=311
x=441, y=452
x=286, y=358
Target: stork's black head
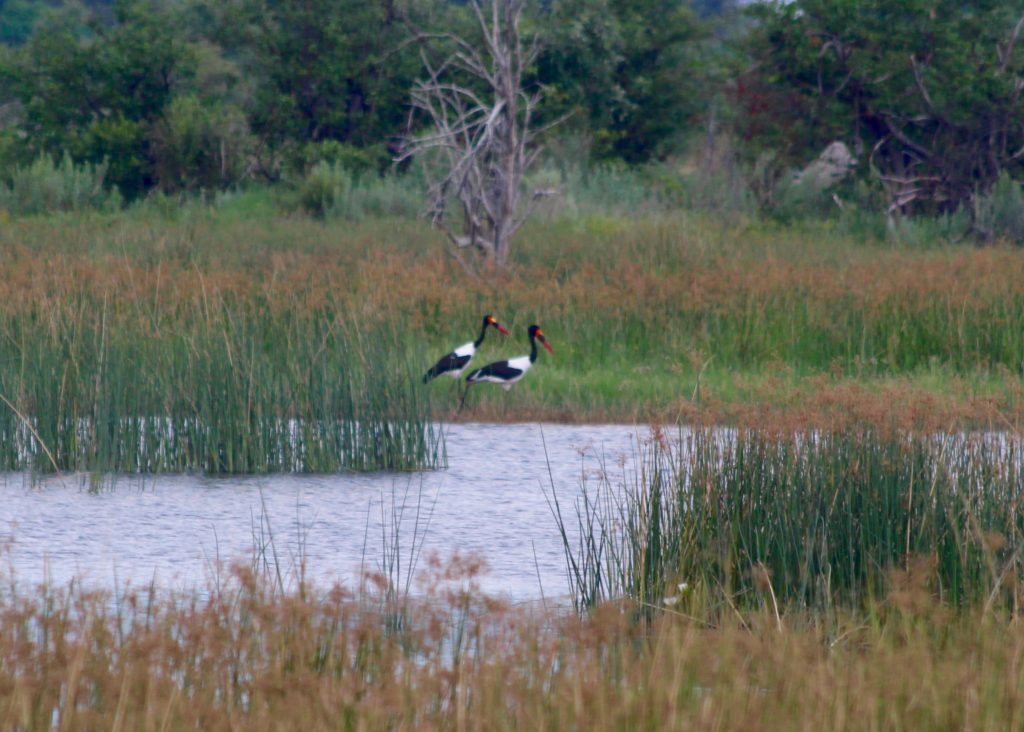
x=489, y=320
x=535, y=332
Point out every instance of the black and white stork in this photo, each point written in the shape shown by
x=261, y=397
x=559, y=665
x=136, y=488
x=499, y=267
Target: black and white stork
x=509, y=372
x=453, y=363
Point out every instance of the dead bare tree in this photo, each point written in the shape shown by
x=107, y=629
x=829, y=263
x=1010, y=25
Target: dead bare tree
x=483, y=135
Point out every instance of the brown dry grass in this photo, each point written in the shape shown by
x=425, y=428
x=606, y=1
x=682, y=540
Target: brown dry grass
x=248, y=658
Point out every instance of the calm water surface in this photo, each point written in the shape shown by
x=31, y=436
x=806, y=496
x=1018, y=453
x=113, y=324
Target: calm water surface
x=179, y=529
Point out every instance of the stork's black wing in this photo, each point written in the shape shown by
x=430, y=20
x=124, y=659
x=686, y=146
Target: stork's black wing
x=451, y=362
x=498, y=369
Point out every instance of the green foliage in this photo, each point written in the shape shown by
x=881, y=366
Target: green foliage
x=203, y=95
x=928, y=93
x=12, y=149
x=325, y=186
x=380, y=197
x=1001, y=213
x=97, y=94
x=326, y=70
x=631, y=72
x=331, y=191
x=200, y=147
x=16, y=20
x=357, y=159
x=44, y=187
x=613, y=188
x=123, y=143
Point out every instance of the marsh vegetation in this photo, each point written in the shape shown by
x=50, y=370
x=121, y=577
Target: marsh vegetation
x=225, y=339
x=848, y=523
x=211, y=262
x=860, y=513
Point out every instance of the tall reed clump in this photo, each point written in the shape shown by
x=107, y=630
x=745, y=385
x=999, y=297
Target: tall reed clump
x=217, y=378
x=811, y=520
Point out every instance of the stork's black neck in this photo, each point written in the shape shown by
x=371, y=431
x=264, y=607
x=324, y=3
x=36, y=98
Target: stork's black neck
x=533, y=348
x=483, y=332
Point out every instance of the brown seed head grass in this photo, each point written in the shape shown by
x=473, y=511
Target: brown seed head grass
x=248, y=656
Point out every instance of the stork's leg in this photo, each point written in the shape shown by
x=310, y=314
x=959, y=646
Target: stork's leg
x=462, y=403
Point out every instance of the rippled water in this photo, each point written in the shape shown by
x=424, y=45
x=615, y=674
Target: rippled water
x=177, y=529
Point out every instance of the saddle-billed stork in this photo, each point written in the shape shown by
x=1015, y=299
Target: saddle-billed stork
x=508, y=372
x=453, y=363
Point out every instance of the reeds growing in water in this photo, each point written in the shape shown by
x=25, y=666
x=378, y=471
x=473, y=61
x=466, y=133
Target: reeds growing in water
x=811, y=520
x=95, y=379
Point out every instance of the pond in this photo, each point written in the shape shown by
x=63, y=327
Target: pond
x=179, y=531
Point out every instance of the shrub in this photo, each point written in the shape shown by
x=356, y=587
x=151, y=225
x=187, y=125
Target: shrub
x=45, y=186
x=373, y=196
x=200, y=147
x=324, y=185
x=373, y=158
x=1000, y=214
x=332, y=191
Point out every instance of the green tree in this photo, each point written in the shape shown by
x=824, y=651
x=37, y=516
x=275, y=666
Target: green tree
x=631, y=71
x=96, y=90
x=16, y=20
x=199, y=145
x=928, y=91
x=324, y=70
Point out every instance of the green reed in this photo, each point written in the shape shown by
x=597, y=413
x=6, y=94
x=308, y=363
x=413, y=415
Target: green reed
x=808, y=520
x=225, y=385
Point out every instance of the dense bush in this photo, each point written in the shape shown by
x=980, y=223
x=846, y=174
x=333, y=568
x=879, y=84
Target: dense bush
x=331, y=191
x=1000, y=214
x=45, y=186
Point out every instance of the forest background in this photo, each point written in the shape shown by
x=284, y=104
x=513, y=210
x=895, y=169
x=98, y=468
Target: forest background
x=187, y=96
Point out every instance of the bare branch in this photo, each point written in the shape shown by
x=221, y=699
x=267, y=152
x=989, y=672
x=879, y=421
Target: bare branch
x=919, y=82
x=1006, y=52
x=477, y=150
x=902, y=137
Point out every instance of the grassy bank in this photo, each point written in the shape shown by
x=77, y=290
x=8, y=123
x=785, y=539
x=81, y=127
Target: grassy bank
x=230, y=321
x=248, y=657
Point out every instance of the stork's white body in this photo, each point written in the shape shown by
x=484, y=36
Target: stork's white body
x=506, y=373
x=465, y=351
